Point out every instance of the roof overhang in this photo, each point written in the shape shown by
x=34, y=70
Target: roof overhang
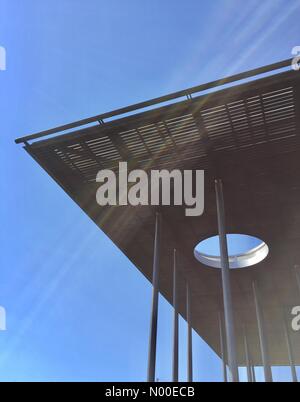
x=248, y=135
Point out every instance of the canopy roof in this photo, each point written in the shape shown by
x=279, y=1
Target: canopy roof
x=247, y=134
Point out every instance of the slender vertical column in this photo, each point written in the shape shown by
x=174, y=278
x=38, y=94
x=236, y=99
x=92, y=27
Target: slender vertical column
x=253, y=374
x=247, y=356
x=154, y=310
x=223, y=348
x=175, y=321
x=262, y=335
x=290, y=350
x=227, y=297
x=189, y=335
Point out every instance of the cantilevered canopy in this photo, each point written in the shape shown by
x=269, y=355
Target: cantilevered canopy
x=247, y=134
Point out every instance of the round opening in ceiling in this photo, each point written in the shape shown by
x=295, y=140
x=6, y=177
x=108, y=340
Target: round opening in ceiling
x=243, y=251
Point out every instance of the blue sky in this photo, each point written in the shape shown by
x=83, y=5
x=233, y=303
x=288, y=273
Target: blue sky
x=236, y=244
x=72, y=59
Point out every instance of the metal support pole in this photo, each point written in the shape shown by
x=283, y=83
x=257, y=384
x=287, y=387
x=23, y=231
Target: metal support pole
x=223, y=348
x=253, y=374
x=189, y=335
x=247, y=356
x=154, y=310
x=175, y=321
x=227, y=297
x=262, y=335
x=290, y=351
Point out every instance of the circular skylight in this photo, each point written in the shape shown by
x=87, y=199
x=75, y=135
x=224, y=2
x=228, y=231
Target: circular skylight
x=243, y=251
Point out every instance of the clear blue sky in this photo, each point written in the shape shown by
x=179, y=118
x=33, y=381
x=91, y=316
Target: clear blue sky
x=71, y=59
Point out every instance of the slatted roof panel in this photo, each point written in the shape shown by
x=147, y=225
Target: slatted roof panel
x=248, y=135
